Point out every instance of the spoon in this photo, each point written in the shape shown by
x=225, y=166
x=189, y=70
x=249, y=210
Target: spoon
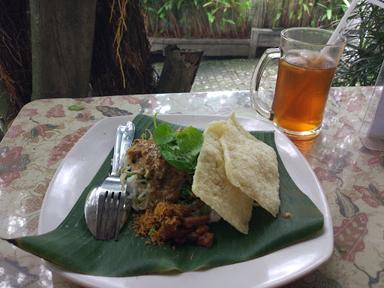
x=98, y=218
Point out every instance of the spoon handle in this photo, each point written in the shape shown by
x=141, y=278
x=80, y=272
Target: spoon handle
x=116, y=152
x=124, y=137
x=126, y=141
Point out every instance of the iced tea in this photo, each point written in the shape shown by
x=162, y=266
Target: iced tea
x=303, y=82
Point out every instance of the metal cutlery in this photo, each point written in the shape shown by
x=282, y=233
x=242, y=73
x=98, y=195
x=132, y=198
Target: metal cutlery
x=106, y=208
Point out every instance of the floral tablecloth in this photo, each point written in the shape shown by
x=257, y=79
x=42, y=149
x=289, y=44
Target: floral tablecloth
x=352, y=176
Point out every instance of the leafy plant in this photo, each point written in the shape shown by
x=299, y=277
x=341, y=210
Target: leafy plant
x=179, y=148
x=364, y=51
x=223, y=11
x=314, y=13
x=200, y=18
x=234, y=18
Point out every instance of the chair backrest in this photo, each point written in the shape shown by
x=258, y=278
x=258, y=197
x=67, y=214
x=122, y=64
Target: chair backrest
x=179, y=70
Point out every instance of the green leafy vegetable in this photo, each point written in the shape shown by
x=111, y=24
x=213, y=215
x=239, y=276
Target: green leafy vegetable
x=163, y=134
x=179, y=148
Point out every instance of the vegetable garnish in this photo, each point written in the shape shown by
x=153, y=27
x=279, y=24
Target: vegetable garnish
x=179, y=148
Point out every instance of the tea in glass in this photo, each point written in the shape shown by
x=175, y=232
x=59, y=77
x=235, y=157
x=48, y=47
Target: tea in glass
x=303, y=82
x=307, y=64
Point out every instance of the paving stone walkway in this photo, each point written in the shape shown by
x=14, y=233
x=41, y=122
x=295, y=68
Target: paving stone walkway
x=221, y=74
x=224, y=74
x=233, y=74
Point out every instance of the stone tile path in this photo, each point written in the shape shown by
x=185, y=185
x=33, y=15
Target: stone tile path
x=233, y=74
x=224, y=74
x=221, y=74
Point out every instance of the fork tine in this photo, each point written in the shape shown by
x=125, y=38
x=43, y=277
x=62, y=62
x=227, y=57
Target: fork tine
x=113, y=215
x=106, y=216
x=110, y=207
x=99, y=214
x=109, y=219
x=120, y=206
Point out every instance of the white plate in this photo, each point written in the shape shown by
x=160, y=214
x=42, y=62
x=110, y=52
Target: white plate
x=82, y=162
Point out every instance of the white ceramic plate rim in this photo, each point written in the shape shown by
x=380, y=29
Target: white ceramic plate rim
x=272, y=270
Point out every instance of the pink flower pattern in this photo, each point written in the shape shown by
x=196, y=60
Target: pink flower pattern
x=14, y=131
x=325, y=175
x=28, y=112
x=133, y=99
x=349, y=236
x=107, y=101
x=346, y=130
x=41, y=131
x=12, y=162
x=56, y=111
x=371, y=195
x=59, y=151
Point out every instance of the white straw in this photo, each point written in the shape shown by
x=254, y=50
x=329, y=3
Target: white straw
x=379, y=3
x=342, y=24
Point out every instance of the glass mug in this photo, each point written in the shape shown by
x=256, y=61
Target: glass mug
x=306, y=66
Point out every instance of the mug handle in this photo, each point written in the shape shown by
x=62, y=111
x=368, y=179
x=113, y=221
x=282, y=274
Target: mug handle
x=265, y=60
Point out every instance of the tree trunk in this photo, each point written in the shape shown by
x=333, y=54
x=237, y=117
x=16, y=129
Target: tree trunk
x=65, y=46
x=4, y=102
x=15, y=67
x=121, y=55
x=62, y=40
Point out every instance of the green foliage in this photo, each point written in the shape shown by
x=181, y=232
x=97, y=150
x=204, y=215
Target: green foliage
x=180, y=18
x=233, y=18
x=364, y=52
x=179, y=148
x=304, y=13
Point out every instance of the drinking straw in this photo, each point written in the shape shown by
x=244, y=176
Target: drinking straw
x=379, y=3
x=342, y=24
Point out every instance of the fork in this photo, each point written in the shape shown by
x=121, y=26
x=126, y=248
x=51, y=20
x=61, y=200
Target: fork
x=107, y=202
x=110, y=207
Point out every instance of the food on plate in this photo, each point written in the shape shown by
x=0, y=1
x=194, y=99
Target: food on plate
x=159, y=171
x=154, y=177
x=180, y=147
x=134, y=255
x=251, y=165
x=181, y=180
x=241, y=169
x=170, y=221
x=212, y=186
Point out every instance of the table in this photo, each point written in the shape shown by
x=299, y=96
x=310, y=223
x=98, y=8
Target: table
x=351, y=175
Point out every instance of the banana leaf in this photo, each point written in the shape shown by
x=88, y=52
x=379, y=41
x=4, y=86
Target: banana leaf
x=72, y=247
